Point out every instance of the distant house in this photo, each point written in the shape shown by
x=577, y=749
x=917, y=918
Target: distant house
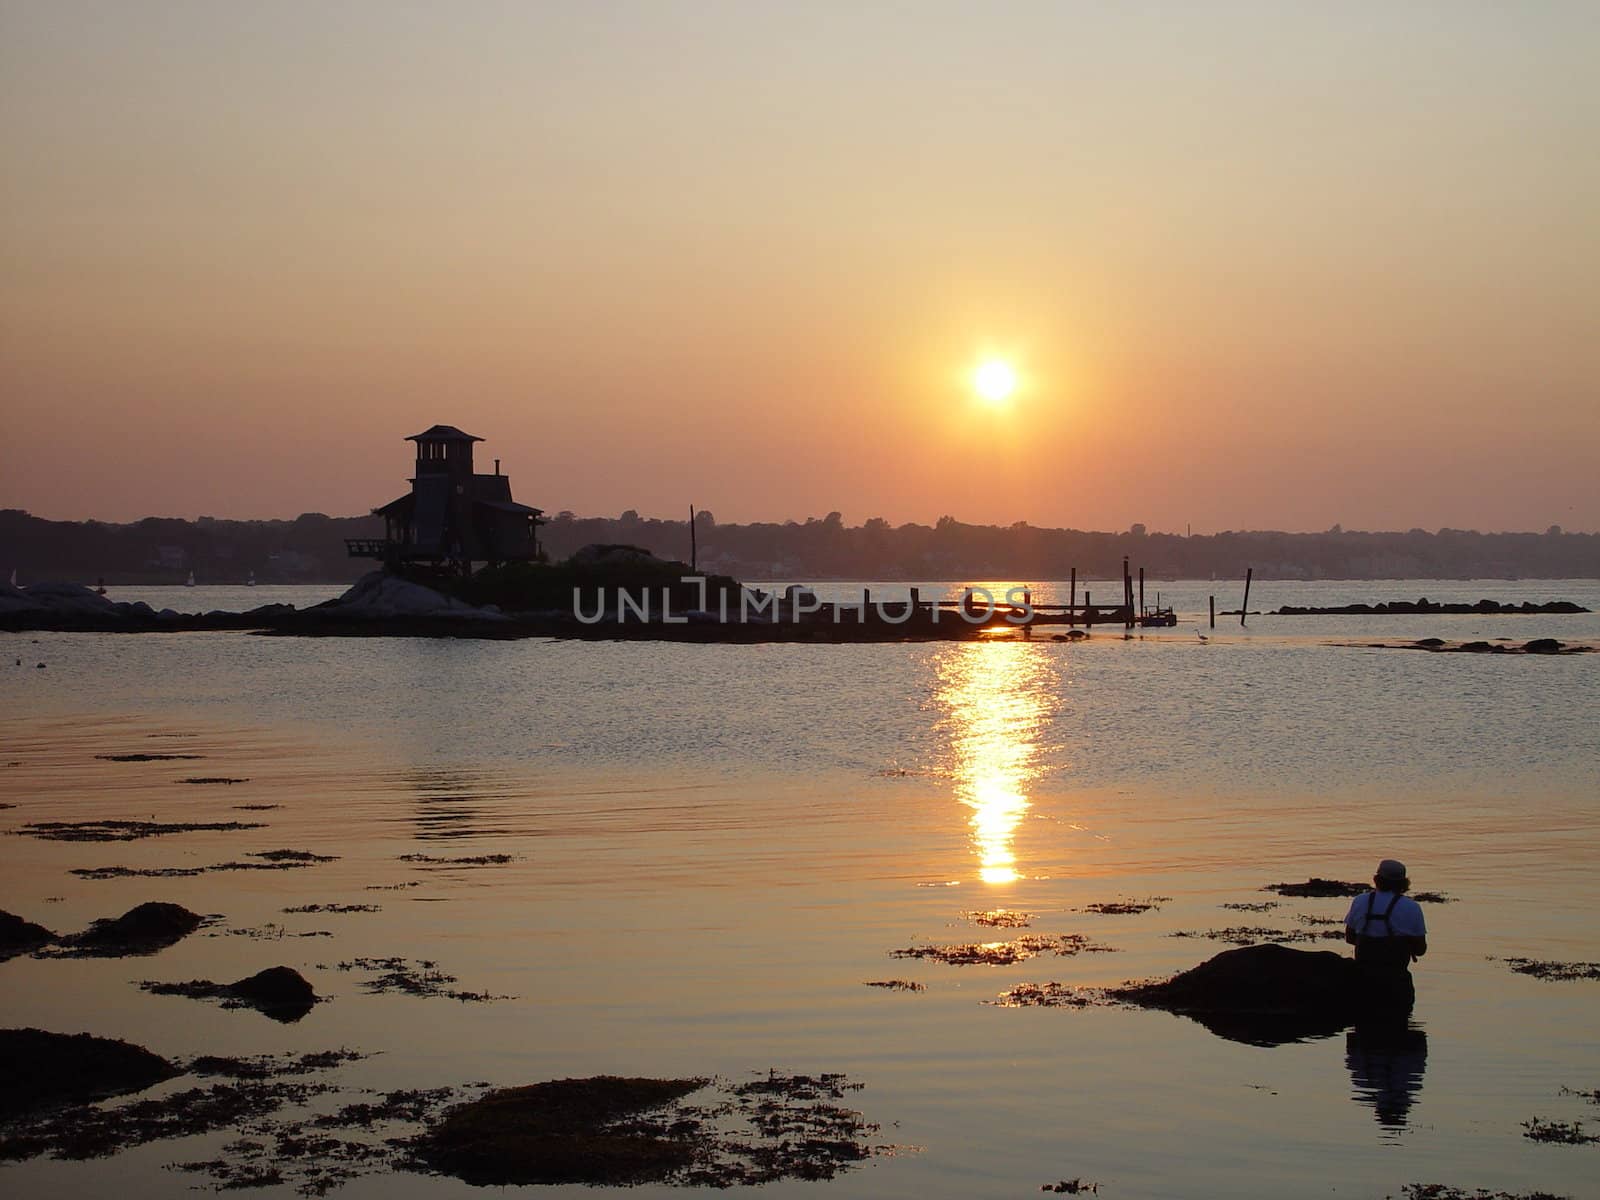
x=453, y=518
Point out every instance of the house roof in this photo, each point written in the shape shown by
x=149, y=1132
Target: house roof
x=509, y=506
x=443, y=433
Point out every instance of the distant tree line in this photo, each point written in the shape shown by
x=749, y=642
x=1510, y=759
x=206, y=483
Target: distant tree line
x=311, y=548
x=827, y=548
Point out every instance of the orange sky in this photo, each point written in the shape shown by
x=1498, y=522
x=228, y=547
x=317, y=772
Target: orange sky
x=1259, y=265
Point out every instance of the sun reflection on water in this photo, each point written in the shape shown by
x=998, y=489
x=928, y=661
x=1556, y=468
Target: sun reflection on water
x=997, y=696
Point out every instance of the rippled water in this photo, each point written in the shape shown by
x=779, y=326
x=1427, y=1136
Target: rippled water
x=716, y=847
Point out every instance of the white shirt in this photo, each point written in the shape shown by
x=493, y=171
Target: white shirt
x=1405, y=919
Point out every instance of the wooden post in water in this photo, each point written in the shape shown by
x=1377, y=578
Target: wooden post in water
x=1249, y=573
x=1072, y=600
x=1141, y=592
x=694, y=549
x=1213, y=600
x=1086, y=606
x=1127, y=595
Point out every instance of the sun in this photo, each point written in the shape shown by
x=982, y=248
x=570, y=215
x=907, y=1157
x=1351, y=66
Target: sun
x=994, y=380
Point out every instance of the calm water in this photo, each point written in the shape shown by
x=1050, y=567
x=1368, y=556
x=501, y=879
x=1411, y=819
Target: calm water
x=717, y=846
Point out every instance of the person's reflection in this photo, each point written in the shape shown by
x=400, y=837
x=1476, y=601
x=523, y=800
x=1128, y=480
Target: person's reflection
x=1386, y=1061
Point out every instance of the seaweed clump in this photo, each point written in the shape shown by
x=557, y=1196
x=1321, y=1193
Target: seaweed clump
x=1443, y=1191
x=421, y=977
x=1561, y=972
x=1250, y=935
x=1001, y=918
x=1562, y=1133
x=1050, y=995
x=126, y=831
x=1003, y=954
x=898, y=985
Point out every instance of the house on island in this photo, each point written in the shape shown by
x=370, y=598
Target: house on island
x=453, y=518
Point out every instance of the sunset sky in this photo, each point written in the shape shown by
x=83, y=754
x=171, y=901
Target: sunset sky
x=1254, y=265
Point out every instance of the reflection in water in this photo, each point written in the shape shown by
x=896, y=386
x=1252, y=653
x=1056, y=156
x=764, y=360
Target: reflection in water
x=1386, y=1062
x=455, y=803
x=997, y=697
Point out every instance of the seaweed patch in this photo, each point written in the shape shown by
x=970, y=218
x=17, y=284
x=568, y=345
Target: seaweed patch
x=419, y=977
x=1000, y=918
x=1000, y=954
x=125, y=831
x=1561, y=972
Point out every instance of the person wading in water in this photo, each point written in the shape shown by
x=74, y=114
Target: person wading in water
x=1386, y=928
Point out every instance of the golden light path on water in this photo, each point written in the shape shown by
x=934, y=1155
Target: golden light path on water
x=997, y=696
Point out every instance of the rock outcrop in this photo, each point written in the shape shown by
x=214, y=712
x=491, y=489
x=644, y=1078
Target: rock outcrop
x=40, y=1069
x=1264, y=995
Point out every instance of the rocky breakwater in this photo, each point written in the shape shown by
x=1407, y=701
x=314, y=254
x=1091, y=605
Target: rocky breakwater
x=71, y=607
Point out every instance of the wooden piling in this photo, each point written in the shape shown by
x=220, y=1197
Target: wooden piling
x=1072, y=602
x=1213, y=600
x=1249, y=573
x=694, y=549
x=1141, y=592
x=1127, y=595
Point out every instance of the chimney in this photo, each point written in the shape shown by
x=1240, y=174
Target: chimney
x=497, y=466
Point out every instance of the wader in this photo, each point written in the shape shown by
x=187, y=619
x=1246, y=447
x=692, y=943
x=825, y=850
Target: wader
x=1385, y=961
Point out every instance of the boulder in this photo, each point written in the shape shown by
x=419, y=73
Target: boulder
x=40, y=1069
x=1263, y=995
x=563, y=1131
x=18, y=936
x=381, y=596
x=148, y=926
x=1542, y=646
x=281, y=993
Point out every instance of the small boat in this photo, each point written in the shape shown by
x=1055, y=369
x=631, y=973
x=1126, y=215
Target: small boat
x=190, y=583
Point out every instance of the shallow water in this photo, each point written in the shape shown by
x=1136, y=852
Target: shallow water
x=717, y=846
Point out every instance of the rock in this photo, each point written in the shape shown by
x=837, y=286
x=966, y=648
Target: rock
x=1542, y=646
x=1430, y=643
x=276, y=987
x=1476, y=647
x=58, y=597
x=40, y=1069
x=149, y=926
x=379, y=596
x=1263, y=995
x=563, y=1131
x=18, y=936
